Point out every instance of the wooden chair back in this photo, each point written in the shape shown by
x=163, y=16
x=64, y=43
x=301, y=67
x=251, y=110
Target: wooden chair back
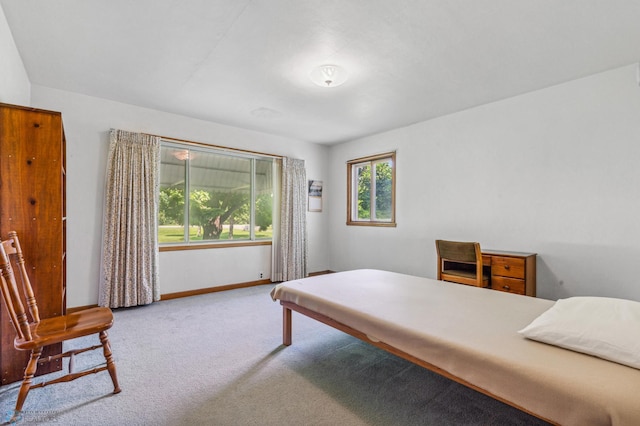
x=460, y=262
x=14, y=295
x=458, y=251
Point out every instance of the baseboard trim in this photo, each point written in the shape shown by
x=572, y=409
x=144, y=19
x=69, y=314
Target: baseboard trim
x=207, y=290
x=188, y=293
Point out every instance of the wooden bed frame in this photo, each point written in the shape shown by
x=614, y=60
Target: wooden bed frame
x=287, y=326
x=469, y=335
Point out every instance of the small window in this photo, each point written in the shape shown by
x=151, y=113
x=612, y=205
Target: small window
x=371, y=191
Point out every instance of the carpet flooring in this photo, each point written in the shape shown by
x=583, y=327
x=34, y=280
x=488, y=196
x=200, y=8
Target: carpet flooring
x=217, y=359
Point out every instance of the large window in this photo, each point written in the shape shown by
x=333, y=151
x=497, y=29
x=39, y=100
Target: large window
x=212, y=195
x=371, y=191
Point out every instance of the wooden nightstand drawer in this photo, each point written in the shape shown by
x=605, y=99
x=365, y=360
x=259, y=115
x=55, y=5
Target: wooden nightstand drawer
x=512, y=271
x=510, y=285
x=507, y=267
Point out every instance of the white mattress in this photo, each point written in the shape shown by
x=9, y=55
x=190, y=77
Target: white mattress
x=472, y=334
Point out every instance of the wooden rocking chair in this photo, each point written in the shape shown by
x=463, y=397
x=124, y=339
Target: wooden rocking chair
x=33, y=335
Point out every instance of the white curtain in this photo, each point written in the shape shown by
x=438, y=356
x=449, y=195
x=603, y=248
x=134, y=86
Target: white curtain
x=129, y=271
x=290, y=237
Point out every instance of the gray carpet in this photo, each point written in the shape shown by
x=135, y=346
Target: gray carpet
x=217, y=359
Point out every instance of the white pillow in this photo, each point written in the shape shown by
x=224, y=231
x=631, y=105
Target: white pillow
x=604, y=327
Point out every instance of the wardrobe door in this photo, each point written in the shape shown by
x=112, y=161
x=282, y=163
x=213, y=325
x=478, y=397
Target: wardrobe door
x=32, y=204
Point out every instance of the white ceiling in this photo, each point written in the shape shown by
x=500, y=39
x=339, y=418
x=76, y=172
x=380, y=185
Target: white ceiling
x=246, y=63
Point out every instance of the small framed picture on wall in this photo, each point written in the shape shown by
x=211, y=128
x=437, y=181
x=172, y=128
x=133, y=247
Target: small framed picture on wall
x=315, y=195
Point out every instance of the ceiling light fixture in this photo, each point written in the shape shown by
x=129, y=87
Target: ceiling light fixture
x=328, y=75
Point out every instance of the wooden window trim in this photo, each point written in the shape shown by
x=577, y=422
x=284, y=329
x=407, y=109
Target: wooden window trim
x=372, y=158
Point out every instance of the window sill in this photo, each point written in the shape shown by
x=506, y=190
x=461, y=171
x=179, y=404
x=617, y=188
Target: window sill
x=380, y=224
x=204, y=246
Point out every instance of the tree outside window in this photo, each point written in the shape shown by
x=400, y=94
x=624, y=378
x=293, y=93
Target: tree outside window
x=230, y=196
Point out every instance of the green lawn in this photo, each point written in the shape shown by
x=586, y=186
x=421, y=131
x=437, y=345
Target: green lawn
x=175, y=234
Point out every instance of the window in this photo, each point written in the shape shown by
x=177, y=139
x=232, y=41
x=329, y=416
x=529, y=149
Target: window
x=371, y=190
x=230, y=195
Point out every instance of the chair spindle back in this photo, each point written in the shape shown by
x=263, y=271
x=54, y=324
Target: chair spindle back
x=10, y=291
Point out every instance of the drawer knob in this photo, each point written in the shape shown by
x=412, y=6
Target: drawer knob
x=506, y=287
x=506, y=267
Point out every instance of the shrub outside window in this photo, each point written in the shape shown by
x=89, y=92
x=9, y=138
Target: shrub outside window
x=371, y=190
x=230, y=195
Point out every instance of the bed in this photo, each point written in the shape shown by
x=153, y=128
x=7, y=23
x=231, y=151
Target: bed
x=469, y=335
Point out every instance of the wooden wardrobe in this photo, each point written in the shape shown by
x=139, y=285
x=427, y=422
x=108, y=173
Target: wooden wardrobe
x=32, y=203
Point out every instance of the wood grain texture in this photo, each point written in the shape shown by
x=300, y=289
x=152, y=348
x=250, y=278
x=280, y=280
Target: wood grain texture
x=32, y=192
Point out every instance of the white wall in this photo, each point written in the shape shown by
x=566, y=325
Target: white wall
x=553, y=172
x=87, y=121
x=556, y=172
x=15, y=87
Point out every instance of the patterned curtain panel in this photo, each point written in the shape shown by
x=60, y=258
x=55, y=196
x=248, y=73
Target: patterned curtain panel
x=276, y=261
x=129, y=242
x=290, y=243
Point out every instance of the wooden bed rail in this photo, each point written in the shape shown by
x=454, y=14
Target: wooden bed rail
x=287, y=307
